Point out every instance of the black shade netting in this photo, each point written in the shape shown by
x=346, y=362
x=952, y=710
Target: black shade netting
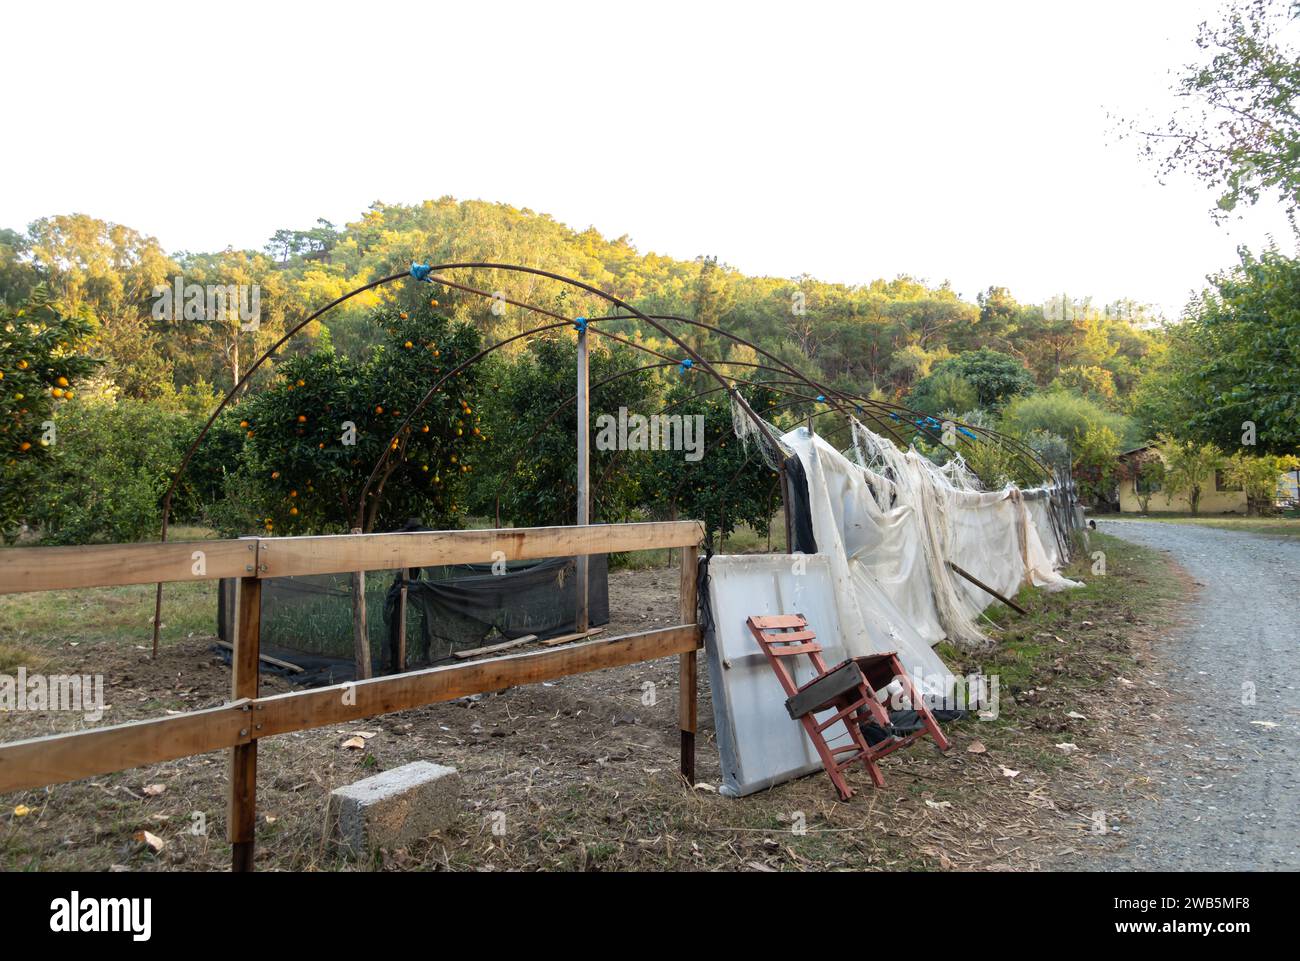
x=307, y=621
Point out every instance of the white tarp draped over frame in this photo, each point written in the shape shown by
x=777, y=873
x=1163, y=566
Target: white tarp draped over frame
x=891, y=524
x=885, y=528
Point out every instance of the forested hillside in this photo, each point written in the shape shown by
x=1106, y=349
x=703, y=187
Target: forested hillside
x=879, y=336
x=96, y=347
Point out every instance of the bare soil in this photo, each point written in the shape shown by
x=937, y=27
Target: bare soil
x=582, y=772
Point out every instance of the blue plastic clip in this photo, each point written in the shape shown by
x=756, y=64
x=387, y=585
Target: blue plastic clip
x=580, y=325
x=686, y=365
x=421, y=271
x=821, y=398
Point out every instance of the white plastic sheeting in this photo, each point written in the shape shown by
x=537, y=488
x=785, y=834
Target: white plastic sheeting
x=891, y=525
x=886, y=529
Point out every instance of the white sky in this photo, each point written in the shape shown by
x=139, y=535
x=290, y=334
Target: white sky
x=966, y=141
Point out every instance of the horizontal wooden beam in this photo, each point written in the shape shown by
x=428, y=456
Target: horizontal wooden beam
x=25, y=569
x=284, y=556
x=67, y=757
x=301, y=710
x=110, y=565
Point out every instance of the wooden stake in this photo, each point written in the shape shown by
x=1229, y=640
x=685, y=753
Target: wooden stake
x=360, y=632
x=582, y=619
x=575, y=636
x=268, y=659
x=401, y=620
x=988, y=590
x=242, y=814
x=686, y=665
x=502, y=646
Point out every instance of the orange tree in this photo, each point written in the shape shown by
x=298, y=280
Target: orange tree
x=40, y=365
x=312, y=438
x=530, y=472
x=729, y=483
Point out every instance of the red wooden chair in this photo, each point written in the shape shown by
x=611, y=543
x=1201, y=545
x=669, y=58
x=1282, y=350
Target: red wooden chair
x=849, y=689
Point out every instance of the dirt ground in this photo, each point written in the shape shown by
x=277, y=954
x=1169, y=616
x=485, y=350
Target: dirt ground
x=581, y=773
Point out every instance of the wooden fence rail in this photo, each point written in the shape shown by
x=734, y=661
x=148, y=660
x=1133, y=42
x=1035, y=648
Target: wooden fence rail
x=239, y=724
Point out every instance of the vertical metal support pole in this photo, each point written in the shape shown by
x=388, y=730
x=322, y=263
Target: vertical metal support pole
x=242, y=814
x=582, y=620
x=687, y=675
x=360, y=630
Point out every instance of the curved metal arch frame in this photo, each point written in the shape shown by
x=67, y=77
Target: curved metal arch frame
x=631, y=313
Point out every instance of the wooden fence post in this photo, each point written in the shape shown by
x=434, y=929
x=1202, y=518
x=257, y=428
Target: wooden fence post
x=686, y=664
x=241, y=817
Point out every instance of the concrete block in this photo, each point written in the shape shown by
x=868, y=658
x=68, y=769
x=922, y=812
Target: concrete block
x=394, y=808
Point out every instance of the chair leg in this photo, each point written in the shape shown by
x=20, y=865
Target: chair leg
x=828, y=759
x=854, y=725
x=921, y=708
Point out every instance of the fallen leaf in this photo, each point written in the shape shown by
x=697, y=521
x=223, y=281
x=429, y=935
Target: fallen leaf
x=703, y=786
x=21, y=811
x=976, y=747
x=760, y=866
x=153, y=790
x=1007, y=772
x=1077, y=716
x=943, y=859
x=937, y=804
x=271, y=819
x=364, y=734
x=1264, y=724
x=1067, y=747
x=154, y=841
x=354, y=743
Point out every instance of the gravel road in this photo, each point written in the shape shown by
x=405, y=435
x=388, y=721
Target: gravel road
x=1228, y=771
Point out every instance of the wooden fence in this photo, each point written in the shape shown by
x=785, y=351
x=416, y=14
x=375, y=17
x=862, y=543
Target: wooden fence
x=248, y=717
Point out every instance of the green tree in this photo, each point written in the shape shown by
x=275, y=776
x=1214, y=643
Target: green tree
x=313, y=438
x=1239, y=130
x=111, y=271
x=1258, y=477
x=529, y=474
x=42, y=365
x=944, y=392
x=1095, y=456
x=729, y=483
x=113, y=460
x=1064, y=414
x=995, y=377
x=1232, y=363
x=1189, y=466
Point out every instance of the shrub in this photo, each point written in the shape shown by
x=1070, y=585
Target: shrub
x=110, y=466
